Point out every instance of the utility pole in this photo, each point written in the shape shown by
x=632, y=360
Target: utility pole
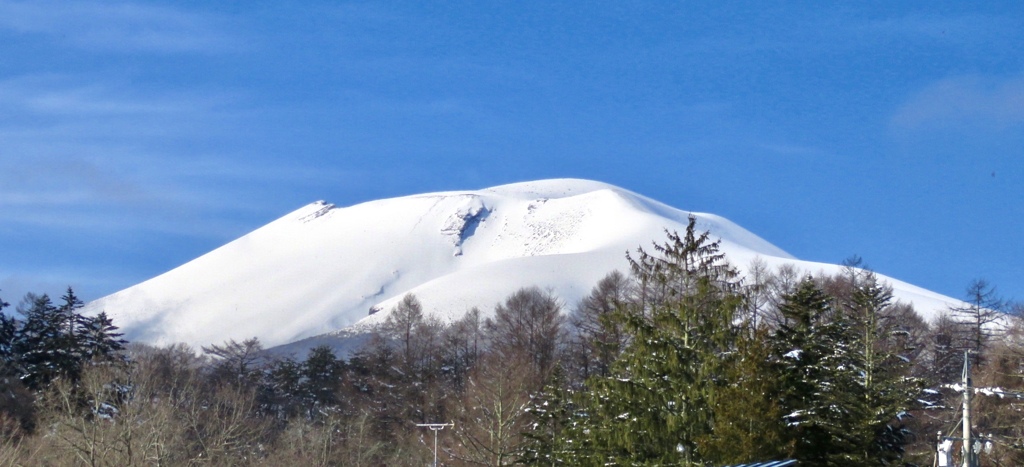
x=435, y=427
x=970, y=459
x=972, y=446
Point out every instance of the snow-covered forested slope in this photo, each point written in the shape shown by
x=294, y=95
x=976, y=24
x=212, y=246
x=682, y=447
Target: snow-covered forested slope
x=323, y=268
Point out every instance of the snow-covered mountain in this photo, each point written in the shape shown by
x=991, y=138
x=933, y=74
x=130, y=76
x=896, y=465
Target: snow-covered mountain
x=322, y=268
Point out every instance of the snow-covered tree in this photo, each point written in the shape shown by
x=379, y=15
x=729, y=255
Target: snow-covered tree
x=56, y=341
x=820, y=380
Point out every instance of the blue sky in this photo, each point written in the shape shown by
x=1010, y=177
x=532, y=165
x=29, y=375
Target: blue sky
x=135, y=136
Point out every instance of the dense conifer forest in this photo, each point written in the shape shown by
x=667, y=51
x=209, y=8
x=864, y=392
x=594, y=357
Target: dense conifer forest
x=680, y=362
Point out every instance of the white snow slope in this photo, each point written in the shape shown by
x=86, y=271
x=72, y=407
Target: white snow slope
x=322, y=268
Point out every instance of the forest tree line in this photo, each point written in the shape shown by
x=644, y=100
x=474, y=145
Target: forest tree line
x=679, y=362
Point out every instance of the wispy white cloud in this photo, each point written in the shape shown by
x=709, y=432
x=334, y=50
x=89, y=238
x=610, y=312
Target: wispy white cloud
x=47, y=96
x=829, y=31
x=59, y=115
x=795, y=150
x=964, y=101
x=119, y=26
x=936, y=28
x=89, y=154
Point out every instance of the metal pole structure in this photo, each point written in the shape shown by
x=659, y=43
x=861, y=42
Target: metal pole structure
x=969, y=457
x=435, y=427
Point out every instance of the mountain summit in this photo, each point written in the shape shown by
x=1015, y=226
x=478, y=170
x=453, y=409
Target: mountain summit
x=323, y=268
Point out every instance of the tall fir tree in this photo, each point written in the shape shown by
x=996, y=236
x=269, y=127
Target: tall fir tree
x=820, y=377
x=44, y=341
x=890, y=390
x=656, y=403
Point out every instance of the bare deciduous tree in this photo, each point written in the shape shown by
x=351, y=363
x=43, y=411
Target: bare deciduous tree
x=527, y=326
x=493, y=415
x=979, y=317
x=597, y=338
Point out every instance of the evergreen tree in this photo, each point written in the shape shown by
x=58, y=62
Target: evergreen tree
x=322, y=375
x=99, y=338
x=656, y=403
x=8, y=333
x=36, y=339
x=820, y=378
x=17, y=411
x=281, y=392
x=890, y=391
x=54, y=342
x=50, y=343
x=946, y=356
x=748, y=419
x=551, y=408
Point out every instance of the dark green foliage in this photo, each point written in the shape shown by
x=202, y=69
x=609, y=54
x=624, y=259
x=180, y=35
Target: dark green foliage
x=846, y=386
x=17, y=409
x=376, y=382
x=56, y=341
x=281, y=393
x=656, y=403
x=946, y=354
x=819, y=372
x=309, y=388
x=322, y=374
x=748, y=417
x=883, y=341
x=41, y=345
x=51, y=343
x=551, y=408
x=8, y=334
x=100, y=339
